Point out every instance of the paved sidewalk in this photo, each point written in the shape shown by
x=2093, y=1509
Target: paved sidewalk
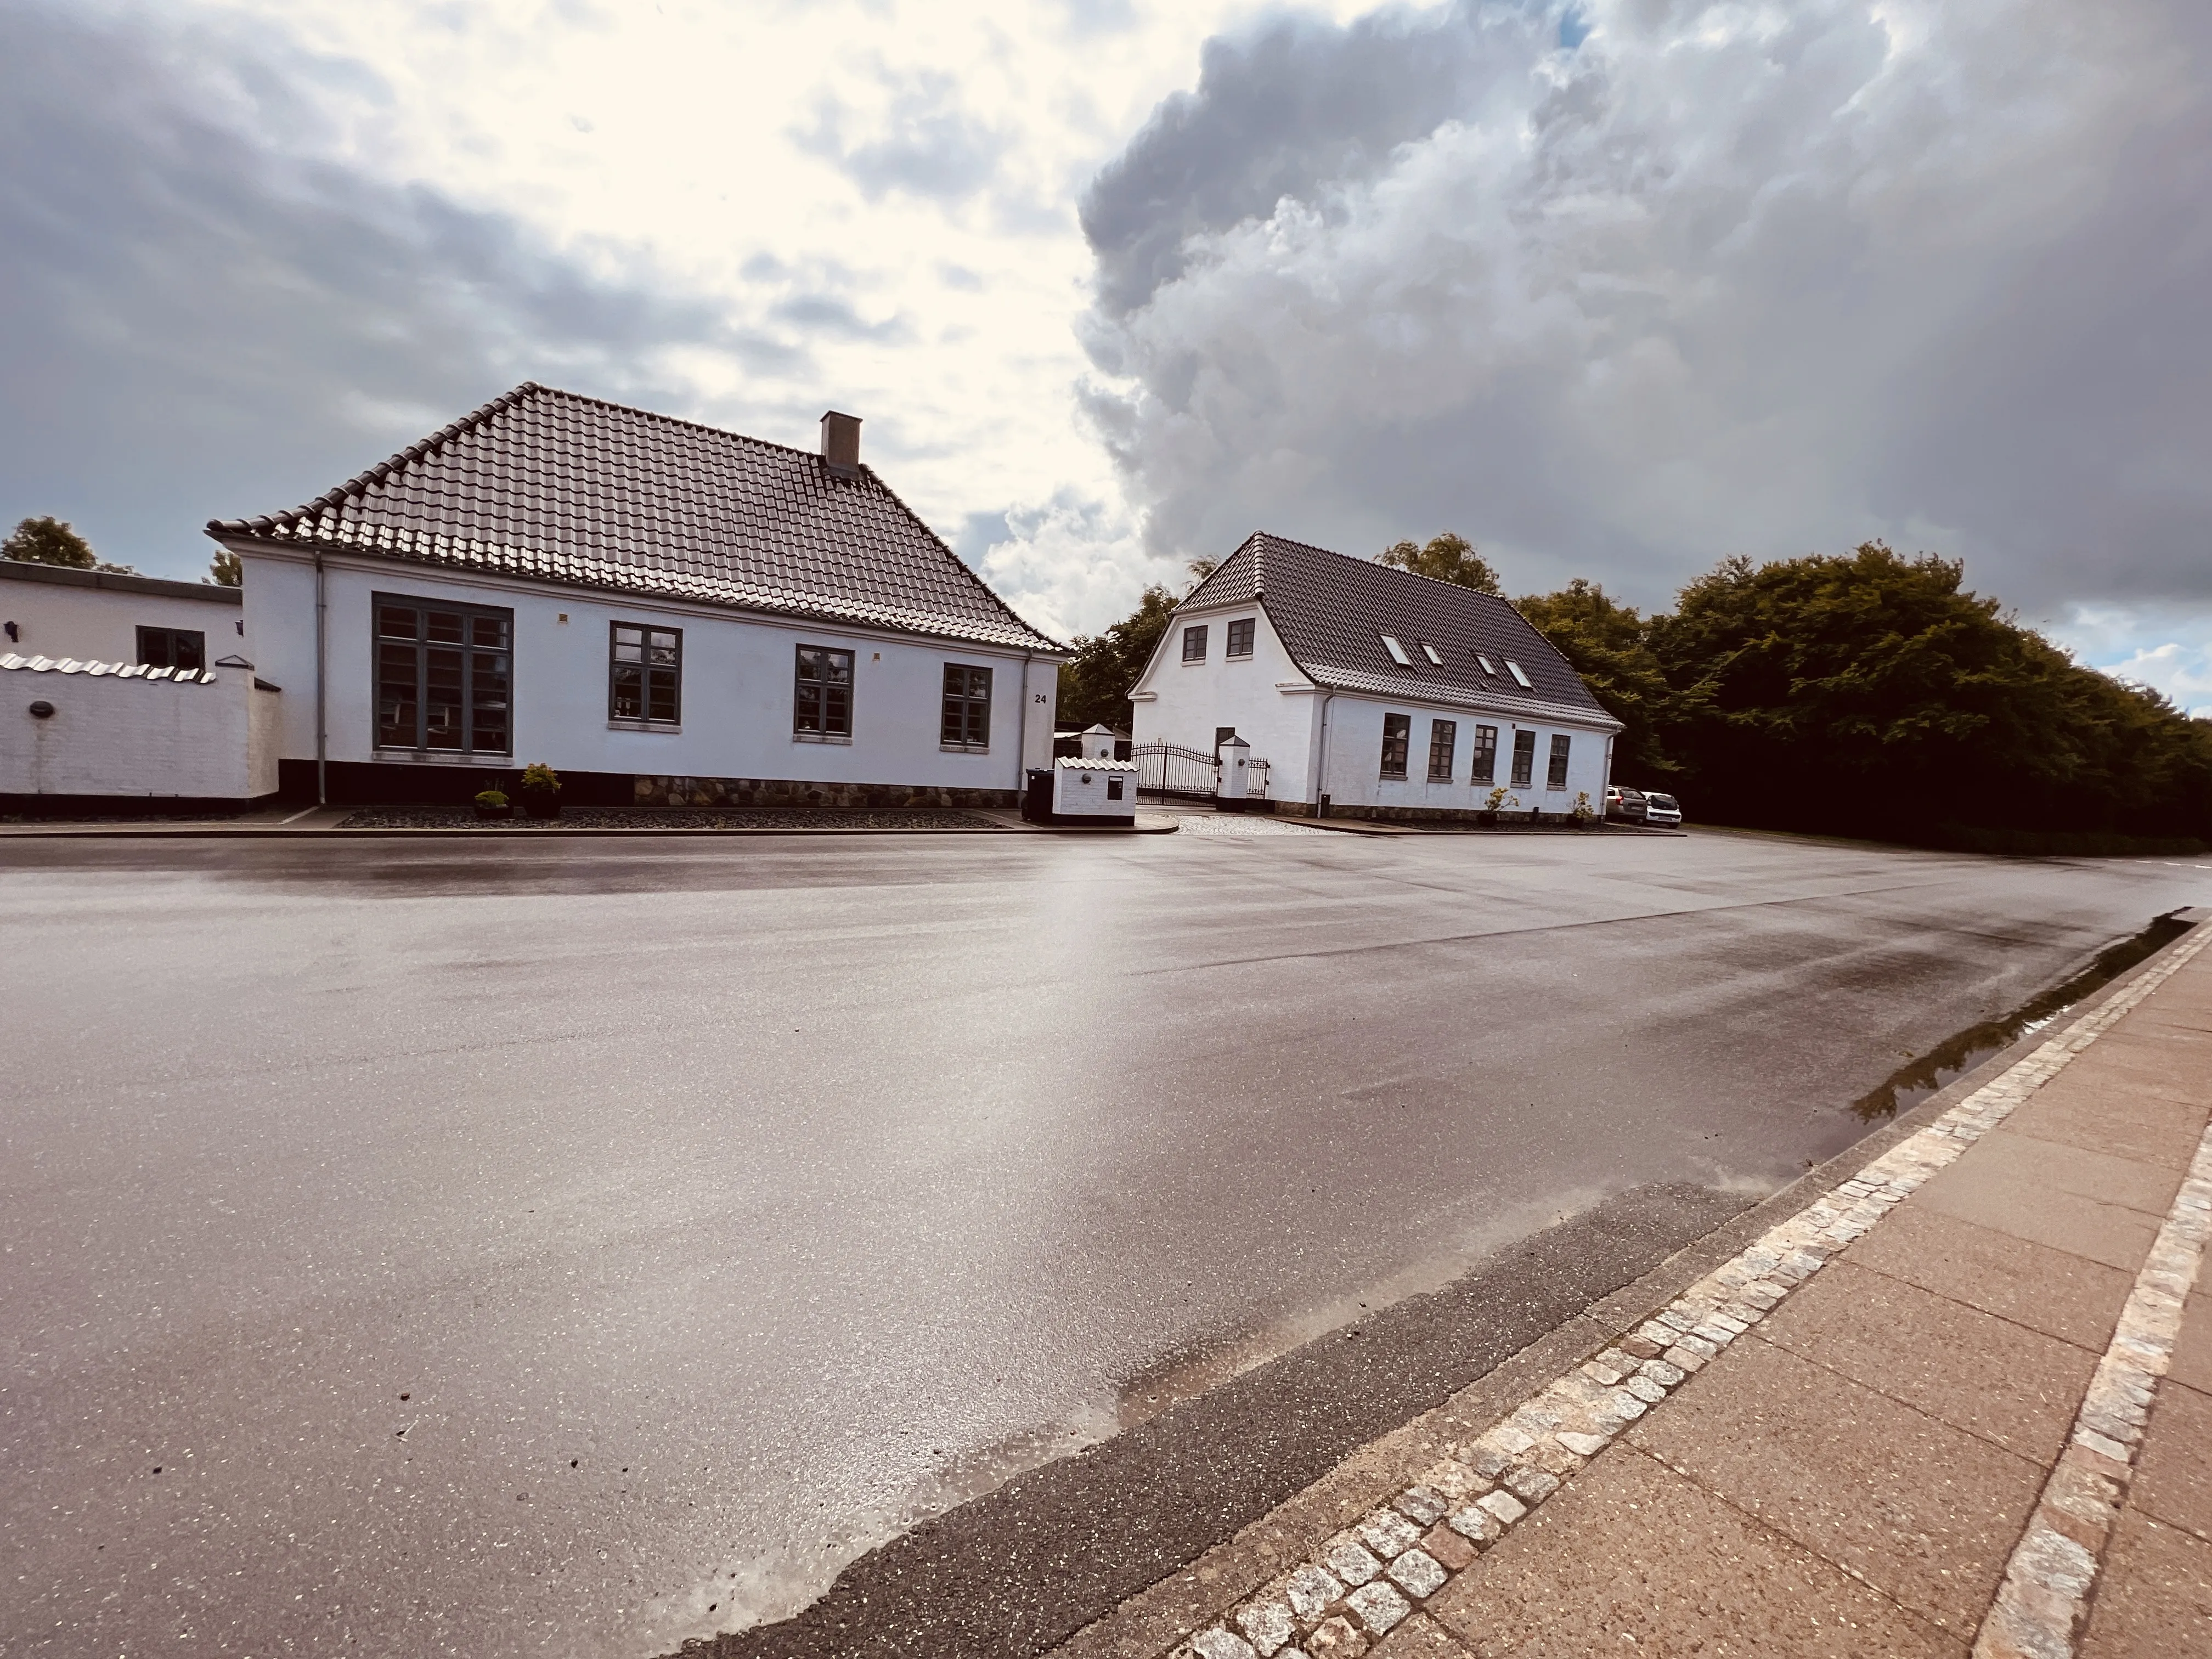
x=1961, y=1405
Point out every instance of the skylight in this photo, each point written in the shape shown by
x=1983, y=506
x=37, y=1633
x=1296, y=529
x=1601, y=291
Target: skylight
x=1488, y=666
x=1514, y=669
x=1432, y=653
x=1397, y=652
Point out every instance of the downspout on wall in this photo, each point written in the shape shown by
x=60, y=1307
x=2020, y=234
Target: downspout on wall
x=1022, y=731
x=1321, y=771
x=322, y=656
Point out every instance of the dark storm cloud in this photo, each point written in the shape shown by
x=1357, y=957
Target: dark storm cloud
x=196, y=327
x=1712, y=278
x=1297, y=103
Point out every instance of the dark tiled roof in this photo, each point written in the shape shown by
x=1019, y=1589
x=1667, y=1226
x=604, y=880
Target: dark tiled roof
x=1332, y=612
x=564, y=489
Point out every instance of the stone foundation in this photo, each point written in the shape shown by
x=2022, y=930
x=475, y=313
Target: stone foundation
x=1513, y=820
x=651, y=790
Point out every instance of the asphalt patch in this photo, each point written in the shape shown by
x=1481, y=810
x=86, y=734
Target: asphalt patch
x=1020, y=1569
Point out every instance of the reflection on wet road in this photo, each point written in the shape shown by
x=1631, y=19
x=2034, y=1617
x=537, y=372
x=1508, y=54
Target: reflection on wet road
x=573, y=1246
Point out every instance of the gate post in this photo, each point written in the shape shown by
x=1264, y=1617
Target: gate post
x=1229, y=791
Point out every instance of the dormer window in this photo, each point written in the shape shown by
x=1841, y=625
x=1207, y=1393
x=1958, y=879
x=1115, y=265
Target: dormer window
x=1397, y=652
x=1522, y=679
x=1488, y=666
x=1432, y=653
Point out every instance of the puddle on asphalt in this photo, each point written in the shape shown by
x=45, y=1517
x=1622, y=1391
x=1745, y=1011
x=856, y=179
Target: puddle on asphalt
x=1911, y=1083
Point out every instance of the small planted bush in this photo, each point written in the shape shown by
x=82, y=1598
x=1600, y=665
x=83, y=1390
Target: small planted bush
x=541, y=791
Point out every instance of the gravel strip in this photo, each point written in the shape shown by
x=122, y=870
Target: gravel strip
x=431, y=818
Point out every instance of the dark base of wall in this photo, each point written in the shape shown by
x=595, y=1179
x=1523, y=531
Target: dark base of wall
x=369, y=783
x=1426, y=815
x=129, y=806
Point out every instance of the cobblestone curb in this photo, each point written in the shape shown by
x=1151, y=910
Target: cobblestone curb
x=2044, y=1597
x=1364, y=1580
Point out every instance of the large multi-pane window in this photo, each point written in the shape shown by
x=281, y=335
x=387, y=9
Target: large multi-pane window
x=1444, y=737
x=822, y=707
x=181, y=649
x=1194, y=643
x=644, y=673
x=1524, y=759
x=443, y=677
x=1556, y=776
x=1239, y=643
x=1485, y=754
x=966, y=722
x=1397, y=738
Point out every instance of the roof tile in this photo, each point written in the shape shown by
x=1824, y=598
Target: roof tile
x=1333, y=610
x=562, y=487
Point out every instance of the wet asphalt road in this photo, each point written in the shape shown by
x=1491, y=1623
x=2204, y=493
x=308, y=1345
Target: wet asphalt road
x=572, y=1247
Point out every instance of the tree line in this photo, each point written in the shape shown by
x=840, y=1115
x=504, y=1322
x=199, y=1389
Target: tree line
x=1865, y=693
x=50, y=541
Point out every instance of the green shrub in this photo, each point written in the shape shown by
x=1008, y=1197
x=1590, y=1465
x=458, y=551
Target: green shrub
x=494, y=798
x=538, y=775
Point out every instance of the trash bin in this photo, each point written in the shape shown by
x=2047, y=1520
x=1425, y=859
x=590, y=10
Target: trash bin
x=1036, y=797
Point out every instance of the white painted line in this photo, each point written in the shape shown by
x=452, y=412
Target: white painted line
x=296, y=817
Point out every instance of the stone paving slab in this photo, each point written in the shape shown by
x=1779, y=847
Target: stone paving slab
x=2015, y=1387
x=1888, y=1454
x=1635, y=1558
x=2156, y=1599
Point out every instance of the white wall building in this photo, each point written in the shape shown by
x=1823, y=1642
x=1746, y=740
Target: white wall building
x=1373, y=692
x=106, y=736
x=108, y=615
x=665, y=613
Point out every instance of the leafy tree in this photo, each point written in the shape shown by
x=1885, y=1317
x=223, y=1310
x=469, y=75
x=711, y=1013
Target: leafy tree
x=1875, y=692
x=225, y=569
x=1608, y=644
x=1094, y=688
x=1449, y=558
x=49, y=541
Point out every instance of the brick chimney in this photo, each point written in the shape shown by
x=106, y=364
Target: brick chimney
x=840, y=444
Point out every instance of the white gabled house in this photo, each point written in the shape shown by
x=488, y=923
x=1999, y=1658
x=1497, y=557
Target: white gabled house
x=665, y=613
x=1373, y=692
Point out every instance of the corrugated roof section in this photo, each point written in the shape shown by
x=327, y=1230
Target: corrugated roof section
x=561, y=488
x=135, y=670
x=1334, y=613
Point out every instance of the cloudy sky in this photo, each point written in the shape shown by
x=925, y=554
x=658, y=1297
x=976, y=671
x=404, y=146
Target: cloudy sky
x=1615, y=288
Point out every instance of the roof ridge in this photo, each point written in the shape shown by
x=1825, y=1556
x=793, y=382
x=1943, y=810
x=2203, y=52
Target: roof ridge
x=1378, y=564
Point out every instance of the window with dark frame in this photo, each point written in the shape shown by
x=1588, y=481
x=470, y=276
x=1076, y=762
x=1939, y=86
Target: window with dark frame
x=1194, y=643
x=1555, y=776
x=182, y=648
x=966, y=723
x=1397, y=738
x=444, y=676
x=1524, y=759
x=1113, y=789
x=1485, y=755
x=822, y=703
x=644, y=673
x=1239, y=643
x=1444, y=737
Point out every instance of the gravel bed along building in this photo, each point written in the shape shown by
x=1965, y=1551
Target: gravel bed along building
x=431, y=818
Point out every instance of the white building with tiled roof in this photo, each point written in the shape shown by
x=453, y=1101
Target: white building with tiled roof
x=665, y=613
x=1371, y=691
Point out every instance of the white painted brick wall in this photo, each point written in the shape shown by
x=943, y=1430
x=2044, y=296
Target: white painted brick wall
x=109, y=736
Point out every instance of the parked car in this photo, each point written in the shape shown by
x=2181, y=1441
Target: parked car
x=1661, y=810
x=1626, y=804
